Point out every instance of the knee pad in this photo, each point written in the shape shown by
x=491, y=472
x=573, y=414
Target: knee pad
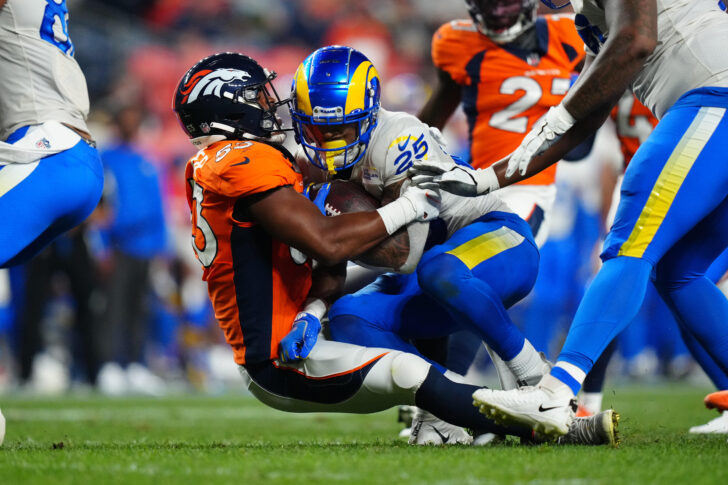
x=408, y=371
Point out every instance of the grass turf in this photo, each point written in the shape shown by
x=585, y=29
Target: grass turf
x=235, y=439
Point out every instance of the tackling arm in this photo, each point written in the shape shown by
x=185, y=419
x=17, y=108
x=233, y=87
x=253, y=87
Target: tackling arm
x=293, y=219
x=632, y=37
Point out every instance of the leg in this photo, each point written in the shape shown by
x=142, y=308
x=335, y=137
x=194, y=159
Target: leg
x=697, y=303
x=41, y=200
x=676, y=179
x=389, y=313
x=339, y=377
x=477, y=274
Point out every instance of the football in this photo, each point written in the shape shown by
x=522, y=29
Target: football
x=345, y=196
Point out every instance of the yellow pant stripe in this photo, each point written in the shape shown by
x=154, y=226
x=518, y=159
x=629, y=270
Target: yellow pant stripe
x=670, y=180
x=483, y=247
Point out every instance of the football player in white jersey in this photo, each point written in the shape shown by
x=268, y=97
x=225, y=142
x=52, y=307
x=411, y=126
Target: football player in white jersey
x=50, y=173
x=461, y=272
x=672, y=218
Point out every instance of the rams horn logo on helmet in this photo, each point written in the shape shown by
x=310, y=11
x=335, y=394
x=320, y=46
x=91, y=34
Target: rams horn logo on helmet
x=206, y=83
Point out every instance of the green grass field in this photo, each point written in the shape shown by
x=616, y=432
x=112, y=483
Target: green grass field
x=234, y=439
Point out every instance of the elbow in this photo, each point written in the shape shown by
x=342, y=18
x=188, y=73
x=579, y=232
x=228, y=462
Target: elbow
x=642, y=48
x=329, y=254
x=638, y=45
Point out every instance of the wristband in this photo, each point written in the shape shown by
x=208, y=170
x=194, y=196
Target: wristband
x=314, y=306
x=486, y=181
x=397, y=214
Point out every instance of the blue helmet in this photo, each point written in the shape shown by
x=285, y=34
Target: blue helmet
x=335, y=89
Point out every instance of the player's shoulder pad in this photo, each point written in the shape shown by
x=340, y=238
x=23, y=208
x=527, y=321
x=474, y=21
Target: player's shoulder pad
x=237, y=168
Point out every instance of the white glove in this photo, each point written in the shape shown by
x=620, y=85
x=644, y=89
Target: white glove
x=414, y=204
x=458, y=180
x=543, y=134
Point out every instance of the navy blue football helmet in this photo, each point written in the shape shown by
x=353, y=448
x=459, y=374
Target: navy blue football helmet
x=228, y=94
x=334, y=89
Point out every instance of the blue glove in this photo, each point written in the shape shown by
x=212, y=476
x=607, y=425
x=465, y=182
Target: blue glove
x=320, y=199
x=300, y=340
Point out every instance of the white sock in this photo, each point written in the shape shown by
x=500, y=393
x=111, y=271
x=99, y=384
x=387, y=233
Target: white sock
x=591, y=401
x=527, y=365
x=555, y=386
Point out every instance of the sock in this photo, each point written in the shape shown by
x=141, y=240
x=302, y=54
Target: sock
x=453, y=402
x=527, y=365
x=566, y=374
x=591, y=401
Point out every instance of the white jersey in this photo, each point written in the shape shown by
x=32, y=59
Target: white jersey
x=39, y=78
x=691, y=38
x=398, y=140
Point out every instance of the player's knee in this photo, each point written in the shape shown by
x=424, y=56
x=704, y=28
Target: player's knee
x=409, y=371
x=439, y=276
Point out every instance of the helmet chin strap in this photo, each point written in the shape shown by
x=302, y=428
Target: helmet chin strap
x=278, y=137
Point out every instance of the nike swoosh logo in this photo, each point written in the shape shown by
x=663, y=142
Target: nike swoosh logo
x=402, y=147
x=444, y=438
x=543, y=409
x=244, y=162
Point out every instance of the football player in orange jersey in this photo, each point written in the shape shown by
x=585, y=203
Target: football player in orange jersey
x=506, y=67
x=255, y=234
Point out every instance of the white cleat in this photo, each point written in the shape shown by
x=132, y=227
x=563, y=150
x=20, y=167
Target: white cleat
x=544, y=411
x=718, y=425
x=429, y=430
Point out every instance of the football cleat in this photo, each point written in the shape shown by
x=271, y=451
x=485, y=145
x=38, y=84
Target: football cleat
x=599, y=429
x=429, y=430
x=717, y=425
x=546, y=412
x=717, y=400
x=487, y=439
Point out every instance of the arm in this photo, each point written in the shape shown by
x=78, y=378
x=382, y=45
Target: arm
x=293, y=219
x=2, y=3
x=444, y=101
x=393, y=251
x=632, y=38
x=327, y=285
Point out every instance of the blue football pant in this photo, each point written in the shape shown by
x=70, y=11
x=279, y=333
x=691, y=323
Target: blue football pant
x=40, y=201
x=672, y=221
x=465, y=283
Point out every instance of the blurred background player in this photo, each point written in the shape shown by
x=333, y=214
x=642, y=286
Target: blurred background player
x=671, y=215
x=133, y=229
x=50, y=172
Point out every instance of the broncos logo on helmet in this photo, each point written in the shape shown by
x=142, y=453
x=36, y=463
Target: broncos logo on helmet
x=206, y=83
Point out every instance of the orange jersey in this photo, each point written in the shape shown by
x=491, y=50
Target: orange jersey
x=505, y=89
x=634, y=123
x=256, y=283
